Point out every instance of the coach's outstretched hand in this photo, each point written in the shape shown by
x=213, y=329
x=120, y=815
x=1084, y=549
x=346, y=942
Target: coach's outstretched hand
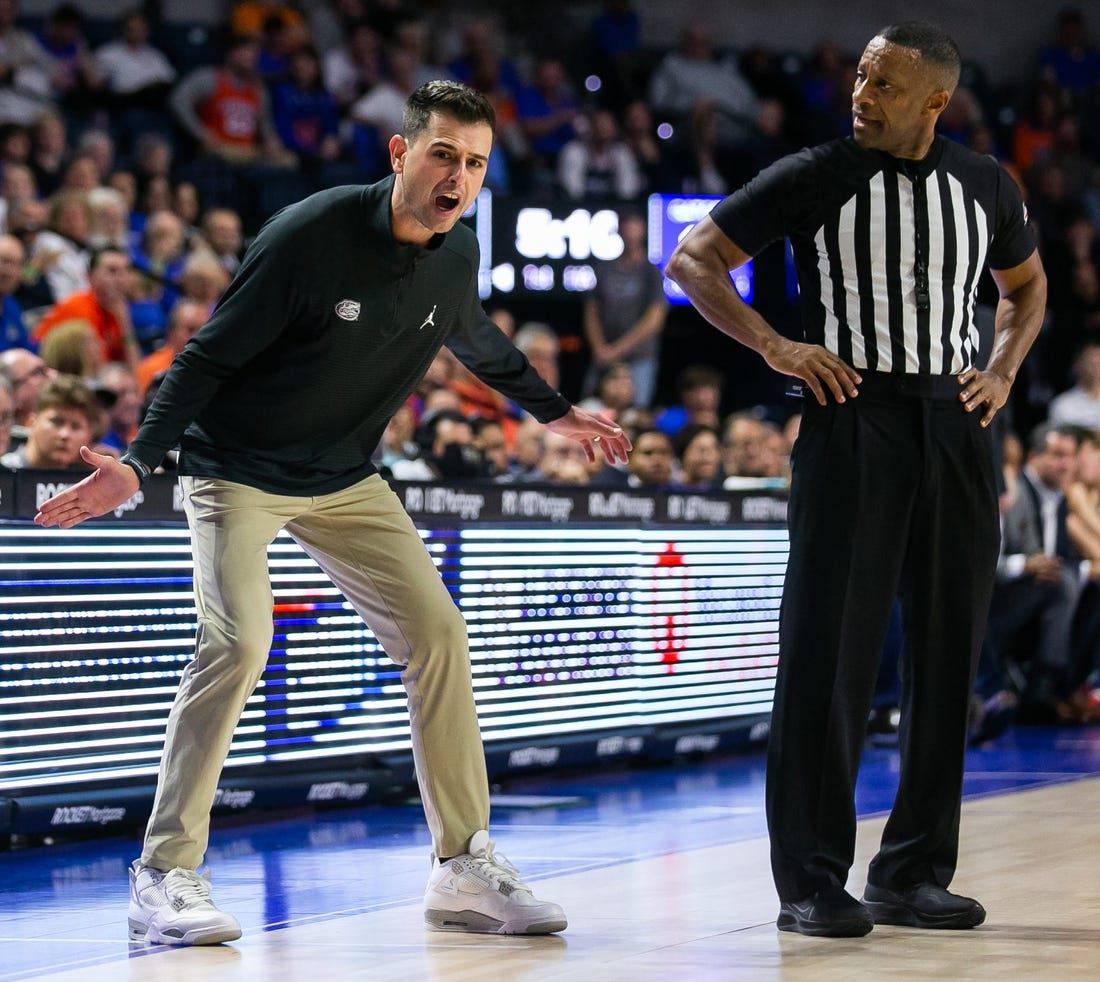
x=592, y=431
x=107, y=487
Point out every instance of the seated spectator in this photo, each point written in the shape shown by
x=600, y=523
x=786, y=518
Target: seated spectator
x=624, y=313
x=49, y=151
x=398, y=442
x=382, y=108
x=614, y=393
x=126, y=184
x=437, y=400
x=156, y=195
x=478, y=401
x=700, y=389
x=26, y=221
x=135, y=74
x=16, y=182
x=490, y=442
x=353, y=69
x=448, y=451
x=204, y=279
x=416, y=37
x=226, y=108
x=305, y=113
x=220, y=234
x=117, y=390
x=76, y=79
x=481, y=60
x=80, y=173
x=703, y=166
x=1033, y=134
x=100, y=146
x=104, y=304
x=27, y=373
x=1038, y=586
x=1072, y=62
x=561, y=461
x=65, y=418
x=510, y=147
x=751, y=453
x=153, y=156
x=161, y=252
x=540, y=343
x=1080, y=406
x=651, y=460
x=825, y=92
x=699, y=458
x=691, y=76
x=59, y=250
x=187, y=207
x=7, y=414
x=186, y=318
x=73, y=348
x=1083, y=527
x=15, y=145
x=13, y=329
x=109, y=219
x=158, y=262
x=278, y=42
x=28, y=71
x=598, y=163
x=651, y=153
x=526, y=451
x=547, y=112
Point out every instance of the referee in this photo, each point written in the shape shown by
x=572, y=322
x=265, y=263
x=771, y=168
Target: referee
x=893, y=490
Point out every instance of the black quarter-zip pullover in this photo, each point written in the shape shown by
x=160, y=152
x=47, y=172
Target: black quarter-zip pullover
x=323, y=333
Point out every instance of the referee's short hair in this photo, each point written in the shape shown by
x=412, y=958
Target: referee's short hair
x=937, y=48
x=449, y=98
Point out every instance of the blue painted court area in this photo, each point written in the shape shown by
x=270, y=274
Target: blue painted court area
x=65, y=906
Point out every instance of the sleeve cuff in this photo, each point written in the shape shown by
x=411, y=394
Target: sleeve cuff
x=138, y=467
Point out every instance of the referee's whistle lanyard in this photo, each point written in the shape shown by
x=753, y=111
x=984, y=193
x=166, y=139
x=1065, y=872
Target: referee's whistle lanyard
x=920, y=241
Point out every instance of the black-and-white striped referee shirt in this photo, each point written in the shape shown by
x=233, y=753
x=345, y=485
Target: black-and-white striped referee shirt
x=888, y=251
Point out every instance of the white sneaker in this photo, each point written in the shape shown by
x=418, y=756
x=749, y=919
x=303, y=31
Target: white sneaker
x=483, y=893
x=175, y=908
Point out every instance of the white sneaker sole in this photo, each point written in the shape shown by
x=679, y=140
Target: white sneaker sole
x=471, y=922
x=139, y=931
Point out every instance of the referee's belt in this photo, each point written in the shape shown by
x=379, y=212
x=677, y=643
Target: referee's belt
x=944, y=387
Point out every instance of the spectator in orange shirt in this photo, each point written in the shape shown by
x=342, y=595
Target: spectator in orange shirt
x=104, y=305
x=249, y=16
x=186, y=318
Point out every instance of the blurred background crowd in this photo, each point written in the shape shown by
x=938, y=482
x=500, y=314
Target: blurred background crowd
x=140, y=153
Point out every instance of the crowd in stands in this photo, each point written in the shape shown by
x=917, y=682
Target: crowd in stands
x=135, y=167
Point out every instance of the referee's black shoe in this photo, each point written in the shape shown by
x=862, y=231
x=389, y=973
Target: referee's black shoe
x=925, y=905
x=832, y=912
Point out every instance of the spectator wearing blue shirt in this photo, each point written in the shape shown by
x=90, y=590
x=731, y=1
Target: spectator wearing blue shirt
x=1072, y=62
x=547, y=110
x=479, y=61
x=305, y=112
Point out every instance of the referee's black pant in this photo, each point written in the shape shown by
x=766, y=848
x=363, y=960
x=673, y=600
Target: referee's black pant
x=892, y=495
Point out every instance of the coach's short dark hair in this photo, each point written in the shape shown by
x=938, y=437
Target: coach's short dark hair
x=937, y=48
x=449, y=98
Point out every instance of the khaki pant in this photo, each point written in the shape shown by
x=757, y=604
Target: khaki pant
x=366, y=543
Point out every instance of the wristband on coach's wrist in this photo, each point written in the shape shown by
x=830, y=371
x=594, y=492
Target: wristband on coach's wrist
x=139, y=468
